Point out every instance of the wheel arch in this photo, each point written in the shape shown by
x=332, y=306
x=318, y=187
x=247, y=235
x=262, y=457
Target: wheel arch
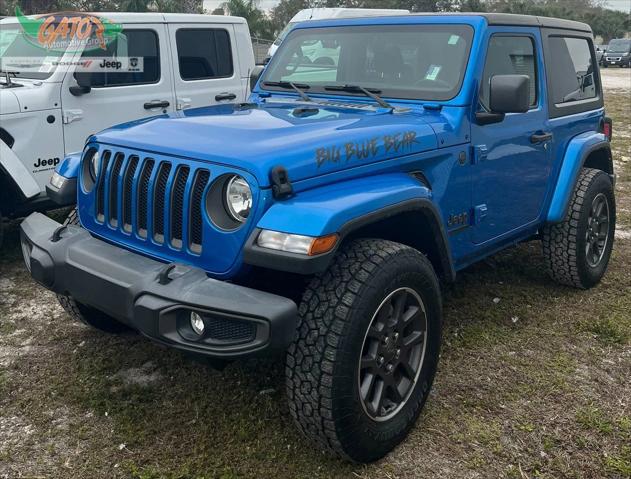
x=415, y=223
x=13, y=173
x=591, y=150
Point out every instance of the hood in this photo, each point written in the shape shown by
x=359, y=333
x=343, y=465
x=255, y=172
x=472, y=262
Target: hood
x=30, y=95
x=307, y=139
x=8, y=101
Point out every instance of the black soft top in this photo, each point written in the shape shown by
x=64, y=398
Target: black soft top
x=511, y=19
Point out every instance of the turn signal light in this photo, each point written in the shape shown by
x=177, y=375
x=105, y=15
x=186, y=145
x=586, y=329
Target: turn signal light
x=323, y=244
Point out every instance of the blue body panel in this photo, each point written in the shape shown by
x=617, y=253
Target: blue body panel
x=570, y=168
x=327, y=209
x=69, y=167
x=345, y=162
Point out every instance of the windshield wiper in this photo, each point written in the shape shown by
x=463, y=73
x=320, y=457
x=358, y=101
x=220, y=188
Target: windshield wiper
x=298, y=87
x=7, y=78
x=371, y=92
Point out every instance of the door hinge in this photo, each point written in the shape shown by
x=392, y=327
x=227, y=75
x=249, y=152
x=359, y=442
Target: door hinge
x=68, y=116
x=479, y=154
x=183, y=103
x=479, y=213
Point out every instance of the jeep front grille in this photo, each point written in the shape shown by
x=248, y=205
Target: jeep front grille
x=152, y=199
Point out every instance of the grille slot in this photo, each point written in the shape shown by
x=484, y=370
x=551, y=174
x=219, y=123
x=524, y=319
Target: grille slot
x=196, y=220
x=143, y=197
x=159, y=201
x=116, y=170
x=128, y=184
x=177, y=205
x=100, y=193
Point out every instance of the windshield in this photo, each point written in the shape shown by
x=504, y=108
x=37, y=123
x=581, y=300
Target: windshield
x=13, y=44
x=619, y=46
x=420, y=62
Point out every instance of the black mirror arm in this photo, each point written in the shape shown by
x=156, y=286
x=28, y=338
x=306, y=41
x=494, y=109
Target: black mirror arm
x=77, y=90
x=486, y=118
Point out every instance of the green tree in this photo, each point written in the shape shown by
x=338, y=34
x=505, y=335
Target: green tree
x=260, y=25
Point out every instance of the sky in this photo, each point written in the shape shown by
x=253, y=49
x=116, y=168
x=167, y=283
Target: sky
x=266, y=5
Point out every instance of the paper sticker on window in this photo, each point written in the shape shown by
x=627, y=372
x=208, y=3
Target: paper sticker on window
x=433, y=72
x=453, y=39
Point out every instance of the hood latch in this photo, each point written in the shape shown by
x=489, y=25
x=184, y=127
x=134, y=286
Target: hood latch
x=281, y=186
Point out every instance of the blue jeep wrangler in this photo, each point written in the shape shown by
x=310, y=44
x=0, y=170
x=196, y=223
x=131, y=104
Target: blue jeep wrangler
x=374, y=157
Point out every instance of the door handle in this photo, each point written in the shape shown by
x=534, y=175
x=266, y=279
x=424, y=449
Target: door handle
x=156, y=104
x=540, y=137
x=225, y=96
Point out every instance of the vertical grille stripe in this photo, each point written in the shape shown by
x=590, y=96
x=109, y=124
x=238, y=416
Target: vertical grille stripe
x=100, y=187
x=196, y=220
x=143, y=197
x=127, y=191
x=113, y=199
x=177, y=205
x=159, y=201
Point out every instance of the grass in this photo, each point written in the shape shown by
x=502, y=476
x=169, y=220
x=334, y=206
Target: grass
x=533, y=386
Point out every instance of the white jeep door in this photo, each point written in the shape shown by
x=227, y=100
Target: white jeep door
x=121, y=96
x=206, y=67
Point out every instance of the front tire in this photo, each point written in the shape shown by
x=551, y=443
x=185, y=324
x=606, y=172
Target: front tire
x=577, y=251
x=366, y=349
x=82, y=312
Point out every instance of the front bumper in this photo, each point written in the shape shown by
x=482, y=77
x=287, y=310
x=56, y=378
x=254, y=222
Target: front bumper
x=619, y=61
x=156, y=298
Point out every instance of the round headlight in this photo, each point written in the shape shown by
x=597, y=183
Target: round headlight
x=238, y=198
x=95, y=163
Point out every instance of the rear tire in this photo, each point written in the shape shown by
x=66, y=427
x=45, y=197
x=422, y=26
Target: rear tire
x=578, y=250
x=81, y=312
x=366, y=349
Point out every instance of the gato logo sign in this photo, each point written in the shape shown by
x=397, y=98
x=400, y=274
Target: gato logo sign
x=68, y=31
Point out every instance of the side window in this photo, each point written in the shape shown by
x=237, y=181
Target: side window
x=509, y=56
x=572, y=70
x=204, y=53
x=133, y=44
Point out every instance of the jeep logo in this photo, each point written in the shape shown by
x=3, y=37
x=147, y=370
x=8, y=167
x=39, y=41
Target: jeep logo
x=49, y=162
x=111, y=64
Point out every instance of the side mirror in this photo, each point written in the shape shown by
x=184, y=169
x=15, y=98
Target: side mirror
x=255, y=75
x=84, y=84
x=507, y=94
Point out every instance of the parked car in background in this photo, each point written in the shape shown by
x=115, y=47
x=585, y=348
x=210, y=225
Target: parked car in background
x=309, y=14
x=314, y=223
x=189, y=61
x=618, y=53
x=600, y=50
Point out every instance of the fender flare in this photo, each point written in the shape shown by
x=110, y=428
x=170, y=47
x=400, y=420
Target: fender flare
x=576, y=153
x=344, y=208
x=17, y=172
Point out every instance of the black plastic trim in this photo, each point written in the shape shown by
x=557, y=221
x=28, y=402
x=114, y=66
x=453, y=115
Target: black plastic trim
x=64, y=196
x=127, y=286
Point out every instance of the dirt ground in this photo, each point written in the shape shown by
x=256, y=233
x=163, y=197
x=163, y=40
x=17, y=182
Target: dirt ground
x=534, y=381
